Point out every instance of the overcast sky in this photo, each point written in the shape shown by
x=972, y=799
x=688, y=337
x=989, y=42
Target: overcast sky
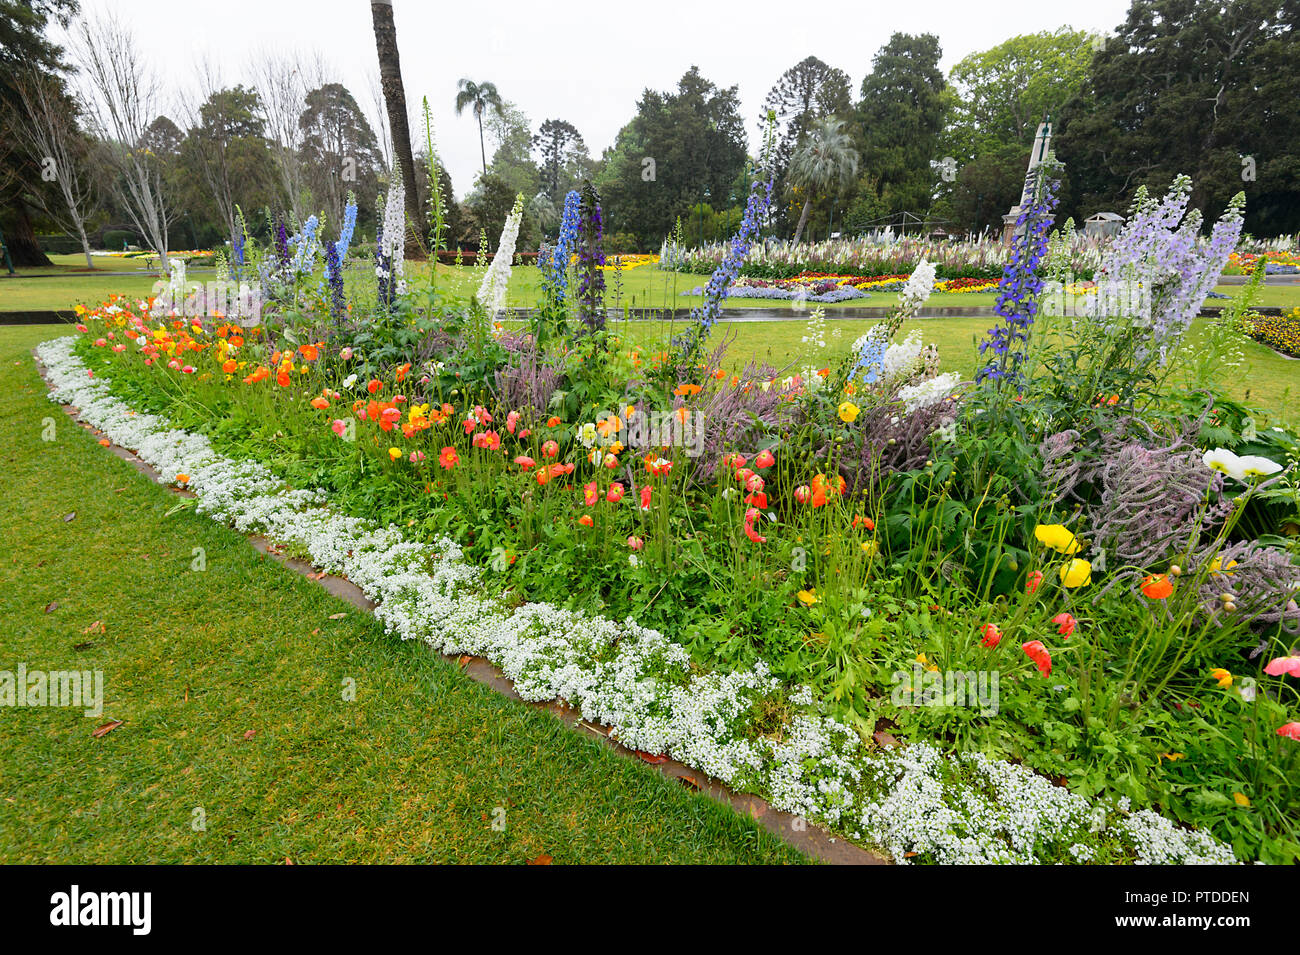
x=583, y=61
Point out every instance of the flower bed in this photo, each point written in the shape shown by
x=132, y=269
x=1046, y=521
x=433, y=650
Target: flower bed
x=1280, y=333
x=1076, y=562
x=867, y=256
x=914, y=802
x=1276, y=262
x=826, y=288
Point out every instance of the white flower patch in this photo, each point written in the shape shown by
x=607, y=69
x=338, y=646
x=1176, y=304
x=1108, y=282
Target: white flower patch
x=642, y=685
x=928, y=392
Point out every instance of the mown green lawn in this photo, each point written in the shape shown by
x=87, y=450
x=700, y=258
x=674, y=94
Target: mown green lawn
x=230, y=682
x=643, y=287
x=1268, y=380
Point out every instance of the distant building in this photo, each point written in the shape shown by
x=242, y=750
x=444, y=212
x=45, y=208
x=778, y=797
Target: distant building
x=1103, y=225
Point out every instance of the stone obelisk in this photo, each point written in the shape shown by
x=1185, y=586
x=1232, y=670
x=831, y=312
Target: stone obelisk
x=1042, y=143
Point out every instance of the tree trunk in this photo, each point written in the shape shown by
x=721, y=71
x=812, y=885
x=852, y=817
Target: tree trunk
x=481, y=149
x=803, y=218
x=85, y=244
x=390, y=78
x=20, y=240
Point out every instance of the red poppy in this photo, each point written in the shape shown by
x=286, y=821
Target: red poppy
x=1035, y=578
x=1035, y=650
x=992, y=635
x=1065, y=624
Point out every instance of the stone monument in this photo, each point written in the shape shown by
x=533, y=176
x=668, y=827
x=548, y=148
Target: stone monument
x=1042, y=144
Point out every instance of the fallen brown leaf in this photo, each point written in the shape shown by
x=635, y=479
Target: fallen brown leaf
x=337, y=616
x=67, y=518
x=540, y=860
x=52, y=606
x=249, y=734
x=96, y=627
x=653, y=759
x=105, y=728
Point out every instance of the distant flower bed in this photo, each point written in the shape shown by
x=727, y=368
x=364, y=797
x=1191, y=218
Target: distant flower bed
x=622, y=263
x=1275, y=263
x=189, y=254
x=824, y=287
x=868, y=257
x=1280, y=333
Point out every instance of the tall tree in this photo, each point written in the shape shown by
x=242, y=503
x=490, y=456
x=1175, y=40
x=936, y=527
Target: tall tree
x=1198, y=87
x=45, y=125
x=339, y=150
x=998, y=97
x=825, y=161
x=902, y=115
x=479, y=97
x=563, y=157
x=807, y=92
x=679, y=146
x=124, y=107
x=225, y=145
x=282, y=81
x=390, y=77
x=24, y=46
x=1001, y=94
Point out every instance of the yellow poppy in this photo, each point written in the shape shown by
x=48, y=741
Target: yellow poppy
x=1058, y=537
x=1076, y=573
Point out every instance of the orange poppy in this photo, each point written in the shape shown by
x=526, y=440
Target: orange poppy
x=1157, y=586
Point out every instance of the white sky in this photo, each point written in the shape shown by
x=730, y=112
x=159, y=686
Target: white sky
x=579, y=60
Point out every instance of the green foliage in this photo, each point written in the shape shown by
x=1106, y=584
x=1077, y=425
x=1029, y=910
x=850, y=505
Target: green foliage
x=901, y=116
x=695, y=139
x=1198, y=88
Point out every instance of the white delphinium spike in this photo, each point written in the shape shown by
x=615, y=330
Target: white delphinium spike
x=492, y=291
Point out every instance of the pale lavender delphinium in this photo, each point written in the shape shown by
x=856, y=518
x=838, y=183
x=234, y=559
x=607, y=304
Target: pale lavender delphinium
x=1160, y=253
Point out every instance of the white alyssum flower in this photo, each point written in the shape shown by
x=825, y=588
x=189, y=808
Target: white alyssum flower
x=914, y=799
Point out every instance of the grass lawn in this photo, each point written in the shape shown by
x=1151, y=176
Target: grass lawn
x=644, y=287
x=412, y=770
x=1268, y=380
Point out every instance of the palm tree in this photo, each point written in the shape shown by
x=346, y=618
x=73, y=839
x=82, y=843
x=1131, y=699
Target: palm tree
x=825, y=159
x=480, y=97
x=390, y=75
